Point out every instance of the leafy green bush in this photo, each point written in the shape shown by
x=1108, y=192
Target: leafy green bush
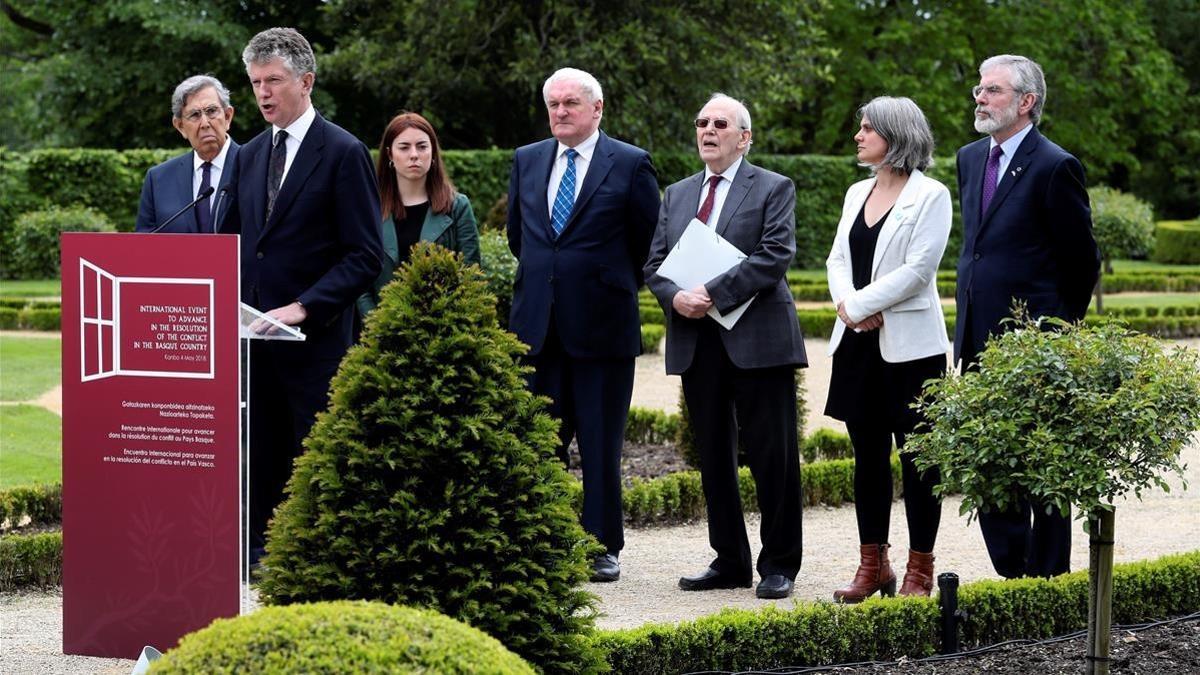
x=109, y=181
x=35, y=245
x=1122, y=224
x=650, y=426
x=826, y=444
x=824, y=633
x=30, y=560
x=652, y=335
x=499, y=270
x=41, y=319
x=1178, y=241
x=42, y=504
x=482, y=175
x=1080, y=415
x=340, y=637
x=9, y=318
x=432, y=480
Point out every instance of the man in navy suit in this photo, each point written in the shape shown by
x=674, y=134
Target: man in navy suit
x=1027, y=236
x=308, y=212
x=581, y=211
x=201, y=113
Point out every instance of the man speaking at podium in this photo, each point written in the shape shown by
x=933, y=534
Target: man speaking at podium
x=201, y=113
x=308, y=212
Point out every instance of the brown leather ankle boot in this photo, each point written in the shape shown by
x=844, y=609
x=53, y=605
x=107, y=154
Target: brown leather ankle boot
x=874, y=574
x=918, y=577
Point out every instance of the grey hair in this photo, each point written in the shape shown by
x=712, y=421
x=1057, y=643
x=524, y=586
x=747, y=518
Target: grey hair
x=900, y=122
x=193, y=85
x=584, y=79
x=284, y=43
x=1027, y=78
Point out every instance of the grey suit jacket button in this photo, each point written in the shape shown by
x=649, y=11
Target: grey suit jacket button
x=260, y=255
x=977, y=256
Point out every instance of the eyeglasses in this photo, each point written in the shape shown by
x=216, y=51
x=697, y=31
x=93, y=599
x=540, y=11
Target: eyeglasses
x=702, y=123
x=212, y=112
x=991, y=90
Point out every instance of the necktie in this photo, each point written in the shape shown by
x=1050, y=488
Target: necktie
x=990, y=174
x=204, y=207
x=707, y=207
x=565, y=199
x=275, y=171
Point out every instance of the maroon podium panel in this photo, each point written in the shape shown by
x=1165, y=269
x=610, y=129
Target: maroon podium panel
x=151, y=438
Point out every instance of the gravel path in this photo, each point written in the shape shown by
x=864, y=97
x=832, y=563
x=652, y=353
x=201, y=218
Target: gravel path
x=654, y=558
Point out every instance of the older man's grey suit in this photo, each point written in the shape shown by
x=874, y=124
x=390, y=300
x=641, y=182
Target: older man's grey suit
x=741, y=382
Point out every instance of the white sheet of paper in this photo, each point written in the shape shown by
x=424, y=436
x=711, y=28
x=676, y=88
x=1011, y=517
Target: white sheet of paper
x=700, y=256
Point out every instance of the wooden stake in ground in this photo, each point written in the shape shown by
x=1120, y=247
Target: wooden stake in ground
x=1101, y=526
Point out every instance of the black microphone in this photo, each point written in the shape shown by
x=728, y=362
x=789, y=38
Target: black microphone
x=217, y=210
x=204, y=194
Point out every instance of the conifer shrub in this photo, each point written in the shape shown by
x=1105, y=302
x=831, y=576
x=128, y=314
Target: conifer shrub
x=432, y=481
x=340, y=637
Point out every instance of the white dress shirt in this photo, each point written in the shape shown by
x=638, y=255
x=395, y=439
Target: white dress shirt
x=582, y=162
x=214, y=174
x=296, y=131
x=722, y=190
x=1008, y=149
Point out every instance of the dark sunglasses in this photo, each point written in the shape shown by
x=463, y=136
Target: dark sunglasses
x=702, y=122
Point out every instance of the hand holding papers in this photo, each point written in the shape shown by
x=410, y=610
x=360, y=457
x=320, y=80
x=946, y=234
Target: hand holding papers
x=700, y=256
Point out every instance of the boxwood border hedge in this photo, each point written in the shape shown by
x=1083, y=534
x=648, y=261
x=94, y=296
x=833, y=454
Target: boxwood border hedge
x=886, y=629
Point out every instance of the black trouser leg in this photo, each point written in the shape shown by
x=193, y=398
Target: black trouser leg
x=922, y=509
x=872, y=480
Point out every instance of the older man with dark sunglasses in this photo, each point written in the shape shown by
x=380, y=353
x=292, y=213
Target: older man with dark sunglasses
x=738, y=381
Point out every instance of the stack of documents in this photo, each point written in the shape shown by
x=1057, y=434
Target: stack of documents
x=700, y=256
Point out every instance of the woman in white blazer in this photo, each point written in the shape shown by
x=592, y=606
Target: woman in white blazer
x=890, y=337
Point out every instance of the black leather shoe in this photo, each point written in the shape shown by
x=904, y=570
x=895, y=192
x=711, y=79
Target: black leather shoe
x=773, y=587
x=606, y=568
x=711, y=579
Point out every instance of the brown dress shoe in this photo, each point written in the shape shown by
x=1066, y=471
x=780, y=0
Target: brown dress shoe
x=918, y=577
x=874, y=574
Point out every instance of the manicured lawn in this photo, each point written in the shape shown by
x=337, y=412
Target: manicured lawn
x=1149, y=300
x=37, y=288
x=1148, y=267
x=31, y=442
x=29, y=366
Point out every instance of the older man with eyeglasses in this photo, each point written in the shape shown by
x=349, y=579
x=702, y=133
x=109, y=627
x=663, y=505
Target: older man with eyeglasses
x=738, y=382
x=1027, y=236
x=202, y=114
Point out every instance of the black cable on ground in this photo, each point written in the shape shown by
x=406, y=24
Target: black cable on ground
x=941, y=658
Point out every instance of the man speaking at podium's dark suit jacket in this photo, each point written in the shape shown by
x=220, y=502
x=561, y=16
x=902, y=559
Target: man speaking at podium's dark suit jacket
x=1027, y=235
x=739, y=384
x=202, y=114
x=581, y=210
x=308, y=212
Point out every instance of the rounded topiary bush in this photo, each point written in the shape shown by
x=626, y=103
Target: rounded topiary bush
x=1122, y=224
x=340, y=637
x=35, y=249
x=432, y=480
x=1178, y=242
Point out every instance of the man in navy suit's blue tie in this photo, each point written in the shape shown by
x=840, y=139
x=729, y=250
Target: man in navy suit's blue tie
x=202, y=114
x=581, y=211
x=1027, y=236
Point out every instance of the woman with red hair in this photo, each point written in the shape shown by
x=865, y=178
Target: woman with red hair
x=418, y=201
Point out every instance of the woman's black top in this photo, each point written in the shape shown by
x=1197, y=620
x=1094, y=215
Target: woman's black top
x=408, y=231
x=864, y=387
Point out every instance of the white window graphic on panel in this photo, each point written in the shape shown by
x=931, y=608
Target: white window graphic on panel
x=144, y=326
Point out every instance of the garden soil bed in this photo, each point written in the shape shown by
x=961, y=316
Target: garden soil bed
x=1171, y=649
x=641, y=461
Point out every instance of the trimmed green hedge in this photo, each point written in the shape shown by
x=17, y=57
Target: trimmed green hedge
x=42, y=504
x=1177, y=241
x=887, y=629
x=650, y=426
x=30, y=560
x=652, y=335
x=30, y=318
x=340, y=637
x=678, y=497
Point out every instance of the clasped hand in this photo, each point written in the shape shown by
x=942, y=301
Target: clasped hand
x=870, y=323
x=693, y=304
